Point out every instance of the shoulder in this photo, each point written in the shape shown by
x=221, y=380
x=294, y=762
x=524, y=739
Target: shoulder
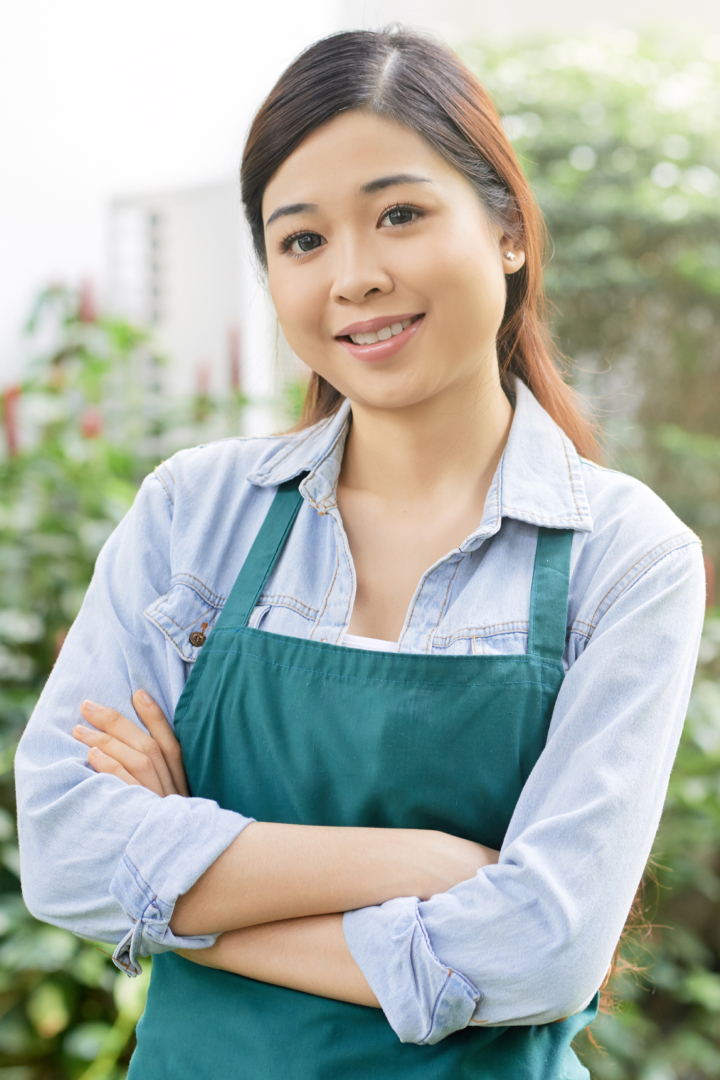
x=210, y=470
x=634, y=534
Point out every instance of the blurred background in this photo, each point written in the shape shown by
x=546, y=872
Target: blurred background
x=132, y=323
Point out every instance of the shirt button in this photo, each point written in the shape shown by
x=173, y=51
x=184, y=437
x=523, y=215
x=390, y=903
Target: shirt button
x=197, y=639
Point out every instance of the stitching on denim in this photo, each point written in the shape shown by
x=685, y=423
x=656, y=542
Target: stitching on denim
x=294, y=445
x=199, y=617
x=442, y=609
x=164, y=465
x=348, y=559
x=514, y=626
x=394, y=682
x=290, y=607
x=662, y=550
x=556, y=519
x=572, y=482
x=206, y=593
x=448, y=975
x=412, y=610
x=149, y=895
x=183, y=656
x=297, y=444
x=327, y=597
x=278, y=598
x=161, y=481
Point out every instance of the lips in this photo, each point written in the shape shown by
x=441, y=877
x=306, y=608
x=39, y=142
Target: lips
x=384, y=349
x=371, y=326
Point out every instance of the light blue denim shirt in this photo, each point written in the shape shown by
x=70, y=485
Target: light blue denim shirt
x=526, y=941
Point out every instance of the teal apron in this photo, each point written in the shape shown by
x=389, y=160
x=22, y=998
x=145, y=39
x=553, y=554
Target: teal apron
x=286, y=729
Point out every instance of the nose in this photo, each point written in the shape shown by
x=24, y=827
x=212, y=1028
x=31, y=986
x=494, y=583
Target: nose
x=359, y=273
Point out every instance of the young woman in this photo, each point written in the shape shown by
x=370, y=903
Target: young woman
x=427, y=663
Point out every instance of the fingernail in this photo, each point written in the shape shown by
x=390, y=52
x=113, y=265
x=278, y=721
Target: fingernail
x=98, y=753
x=144, y=698
x=91, y=706
x=81, y=730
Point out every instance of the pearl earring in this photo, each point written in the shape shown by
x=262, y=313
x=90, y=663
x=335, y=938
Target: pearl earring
x=509, y=256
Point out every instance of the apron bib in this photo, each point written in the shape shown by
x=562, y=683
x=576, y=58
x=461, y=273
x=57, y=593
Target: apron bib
x=290, y=730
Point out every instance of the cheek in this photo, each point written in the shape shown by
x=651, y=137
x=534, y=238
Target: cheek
x=297, y=302
x=472, y=284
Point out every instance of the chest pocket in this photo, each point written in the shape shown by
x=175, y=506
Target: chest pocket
x=185, y=614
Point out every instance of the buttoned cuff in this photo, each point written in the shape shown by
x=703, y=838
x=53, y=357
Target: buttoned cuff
x=422, y=998
x=177, y=841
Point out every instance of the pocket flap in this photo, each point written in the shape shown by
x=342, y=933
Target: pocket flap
x=188, y=607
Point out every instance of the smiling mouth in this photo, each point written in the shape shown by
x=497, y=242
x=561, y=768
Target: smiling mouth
x=383, y=334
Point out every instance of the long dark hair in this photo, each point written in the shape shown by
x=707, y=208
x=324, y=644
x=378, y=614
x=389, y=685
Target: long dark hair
x=419, y=83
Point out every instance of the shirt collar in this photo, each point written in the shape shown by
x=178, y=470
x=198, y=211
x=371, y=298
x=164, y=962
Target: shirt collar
x=539, y=478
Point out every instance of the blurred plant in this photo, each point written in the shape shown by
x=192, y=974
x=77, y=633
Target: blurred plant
x=80, y=434
x=620, y=137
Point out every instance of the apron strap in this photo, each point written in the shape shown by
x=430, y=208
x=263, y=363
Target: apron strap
x=549, y=594
x=263, y=555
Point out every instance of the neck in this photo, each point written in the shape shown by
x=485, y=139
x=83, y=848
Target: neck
x=450, y=443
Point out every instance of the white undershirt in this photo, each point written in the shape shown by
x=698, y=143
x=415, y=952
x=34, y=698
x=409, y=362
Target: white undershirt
x=373, y=644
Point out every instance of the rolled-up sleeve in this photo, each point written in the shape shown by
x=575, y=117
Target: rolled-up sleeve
x=529, y=940
x=100, y=858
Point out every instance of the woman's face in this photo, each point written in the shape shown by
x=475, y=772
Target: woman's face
x=370, y=232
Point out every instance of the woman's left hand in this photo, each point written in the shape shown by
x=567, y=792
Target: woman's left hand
x=151, y=759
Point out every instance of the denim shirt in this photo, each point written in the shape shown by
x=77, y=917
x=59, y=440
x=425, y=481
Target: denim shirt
x=528, y=940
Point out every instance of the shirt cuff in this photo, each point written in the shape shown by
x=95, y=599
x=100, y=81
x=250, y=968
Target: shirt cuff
x=176, y=842
x=422, y=998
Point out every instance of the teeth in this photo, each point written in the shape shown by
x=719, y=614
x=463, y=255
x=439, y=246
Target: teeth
x=382, y=335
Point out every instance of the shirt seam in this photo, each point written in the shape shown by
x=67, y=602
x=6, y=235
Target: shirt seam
x=662, y=551
x=182, y=578
x=160, y=480
x=448, y=975
x=318, y=621
x=570, y=475
x=290, y=601
x=188, y=658
x=442, y=608
x=297, y=444
x=149, y=895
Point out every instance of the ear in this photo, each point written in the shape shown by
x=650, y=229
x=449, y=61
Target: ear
x=512, y=254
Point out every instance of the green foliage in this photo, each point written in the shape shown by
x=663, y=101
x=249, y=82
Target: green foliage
x=621, y=141
x=62, y=1003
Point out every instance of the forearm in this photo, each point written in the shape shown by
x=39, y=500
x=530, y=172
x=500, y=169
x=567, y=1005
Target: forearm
x=272, y=872
x=307, y=954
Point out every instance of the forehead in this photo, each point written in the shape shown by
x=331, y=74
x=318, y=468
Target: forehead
x=347, y=152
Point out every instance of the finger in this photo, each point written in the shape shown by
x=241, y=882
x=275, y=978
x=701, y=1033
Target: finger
x=103, y=764
x=138, y=765
x=154, y=720
x=125, y=731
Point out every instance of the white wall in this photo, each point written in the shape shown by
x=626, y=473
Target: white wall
x=100, y=98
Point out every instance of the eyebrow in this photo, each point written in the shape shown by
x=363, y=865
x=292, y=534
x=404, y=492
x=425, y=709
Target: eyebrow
x=291, y=208
x=367, y=189
x=391, y=181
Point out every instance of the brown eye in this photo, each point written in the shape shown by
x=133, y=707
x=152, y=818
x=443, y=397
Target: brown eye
x=304, y=242
x=400, y=215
